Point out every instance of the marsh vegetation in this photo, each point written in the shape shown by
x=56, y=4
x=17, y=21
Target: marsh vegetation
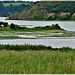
x=14, y=31
x=37, y=62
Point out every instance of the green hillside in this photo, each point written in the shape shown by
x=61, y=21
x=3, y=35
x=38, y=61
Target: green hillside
x=9, y=8
x=47, y=10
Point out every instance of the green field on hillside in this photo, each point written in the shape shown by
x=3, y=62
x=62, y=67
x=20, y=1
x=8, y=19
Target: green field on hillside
x=37, y=62
x=8, y=4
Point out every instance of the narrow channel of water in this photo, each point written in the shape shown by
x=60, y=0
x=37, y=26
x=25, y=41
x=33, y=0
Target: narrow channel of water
x=55, y=43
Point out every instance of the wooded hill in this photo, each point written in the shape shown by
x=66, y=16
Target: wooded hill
x=47, y=10
x=11, y=9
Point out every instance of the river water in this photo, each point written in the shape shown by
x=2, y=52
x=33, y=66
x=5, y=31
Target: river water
x=67, y=25
x=55, y=43
x=59, y=42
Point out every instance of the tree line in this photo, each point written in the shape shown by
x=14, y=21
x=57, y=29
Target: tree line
x=9, y=10
x=41, y=10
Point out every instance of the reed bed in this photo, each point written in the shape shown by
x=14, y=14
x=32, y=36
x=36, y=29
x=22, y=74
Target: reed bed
x=37, y=62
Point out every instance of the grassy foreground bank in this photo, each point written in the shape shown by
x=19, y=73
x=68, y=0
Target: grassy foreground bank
x=37, y=62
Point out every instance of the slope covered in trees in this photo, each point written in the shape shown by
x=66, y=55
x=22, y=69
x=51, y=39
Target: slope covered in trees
x=2, y=9
x=8, y=10
x=47, y=10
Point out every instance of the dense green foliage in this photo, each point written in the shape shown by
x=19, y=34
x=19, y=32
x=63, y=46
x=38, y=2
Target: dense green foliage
x=47, y=10
x=17, y=27
x=37, y=62
x=4, y=23
x=53, y=27
x=11, y=9
x=12, y=26
x=17, y=1
x=31, y=47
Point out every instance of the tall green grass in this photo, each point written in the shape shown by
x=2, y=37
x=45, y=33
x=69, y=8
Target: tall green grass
x=37, y=62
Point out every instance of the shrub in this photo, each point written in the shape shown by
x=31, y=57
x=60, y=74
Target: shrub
x=12, y=26
x=4, y=23
x=32, y=47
